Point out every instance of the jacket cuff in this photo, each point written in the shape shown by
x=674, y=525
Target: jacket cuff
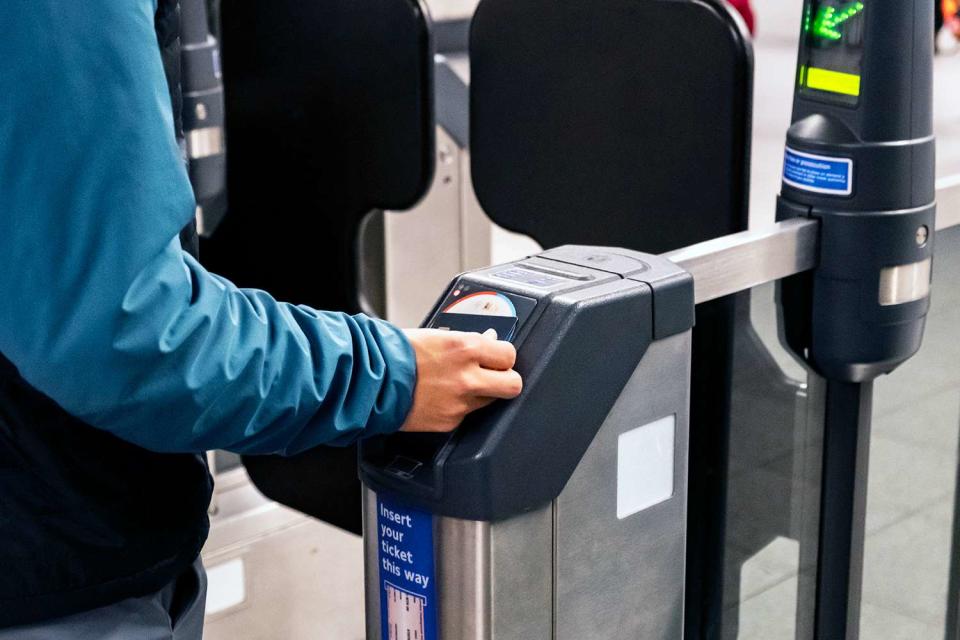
x=400, y=381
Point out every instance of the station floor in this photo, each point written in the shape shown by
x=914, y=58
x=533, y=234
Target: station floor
x=917, y=419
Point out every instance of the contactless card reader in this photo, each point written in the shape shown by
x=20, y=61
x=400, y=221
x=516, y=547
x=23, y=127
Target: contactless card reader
x=574, y=493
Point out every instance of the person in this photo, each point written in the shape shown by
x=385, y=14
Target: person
x=122, y=359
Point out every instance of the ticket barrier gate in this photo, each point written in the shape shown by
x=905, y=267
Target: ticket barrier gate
x=551, y=516
x=858, y=177
x=857, y=210
x=561, y=514
x=320, y=201
x=527, y=186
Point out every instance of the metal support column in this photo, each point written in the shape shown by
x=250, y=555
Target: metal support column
x=843, y=507
x=953, y=592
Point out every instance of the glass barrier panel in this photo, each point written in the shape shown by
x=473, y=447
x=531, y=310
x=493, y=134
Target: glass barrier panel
x=911, y=493
x=773, y=490
x=911, y=585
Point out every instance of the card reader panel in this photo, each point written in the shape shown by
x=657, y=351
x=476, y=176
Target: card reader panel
x=473, y=307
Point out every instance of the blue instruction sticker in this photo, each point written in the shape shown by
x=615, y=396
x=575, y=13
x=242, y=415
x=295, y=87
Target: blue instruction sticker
x=408, y=600
x=818, y=174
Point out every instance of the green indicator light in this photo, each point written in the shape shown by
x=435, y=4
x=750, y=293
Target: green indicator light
x=829, y=19
x=847, y=84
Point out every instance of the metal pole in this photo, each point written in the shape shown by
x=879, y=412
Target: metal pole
x=952, y=631
x=741, y=261
x=843, y=506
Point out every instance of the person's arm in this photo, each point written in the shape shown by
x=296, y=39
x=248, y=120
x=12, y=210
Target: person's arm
x=102, y=311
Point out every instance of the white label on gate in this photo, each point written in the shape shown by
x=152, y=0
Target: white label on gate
x=645, y=464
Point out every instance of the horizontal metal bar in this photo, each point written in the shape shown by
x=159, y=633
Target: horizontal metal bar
x=744, y=260
x=741, y=261
x=948, y=202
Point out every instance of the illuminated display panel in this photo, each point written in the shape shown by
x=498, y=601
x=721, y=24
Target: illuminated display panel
x=832, y=52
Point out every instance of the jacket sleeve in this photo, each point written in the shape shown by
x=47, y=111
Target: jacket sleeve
x=102, y=311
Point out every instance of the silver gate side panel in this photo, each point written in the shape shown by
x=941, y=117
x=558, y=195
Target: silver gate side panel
x=463, y=574
x=445, y=234
x=371, y=565
x=625, y=578
x=522, y=577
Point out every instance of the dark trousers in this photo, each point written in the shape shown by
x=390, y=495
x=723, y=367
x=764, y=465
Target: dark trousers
x=173, y=613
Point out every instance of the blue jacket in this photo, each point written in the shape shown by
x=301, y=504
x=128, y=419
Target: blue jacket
x=101, y=309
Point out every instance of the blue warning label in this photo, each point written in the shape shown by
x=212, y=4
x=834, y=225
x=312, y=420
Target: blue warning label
x=408, y=601
x=818, y=174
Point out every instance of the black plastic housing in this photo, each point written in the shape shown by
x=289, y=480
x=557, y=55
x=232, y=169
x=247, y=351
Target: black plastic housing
x=594, y=123
x=833, y=317
x=329, y=116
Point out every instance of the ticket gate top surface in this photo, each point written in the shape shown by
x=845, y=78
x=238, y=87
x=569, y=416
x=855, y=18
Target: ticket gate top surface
x=581, y=318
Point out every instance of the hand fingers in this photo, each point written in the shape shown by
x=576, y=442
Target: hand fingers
x=498, y=384
x=496, y=354
x=478, y=402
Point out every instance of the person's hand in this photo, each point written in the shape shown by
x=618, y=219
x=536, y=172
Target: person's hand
x=458, y=373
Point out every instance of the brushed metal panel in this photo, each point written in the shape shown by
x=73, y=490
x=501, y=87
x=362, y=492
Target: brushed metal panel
x=522, y=576
x=495, y=580
x=741, y=261
x=463, y=575
x=625, y=578
x=445, y=234
x=371, y=566
x=905, y=283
